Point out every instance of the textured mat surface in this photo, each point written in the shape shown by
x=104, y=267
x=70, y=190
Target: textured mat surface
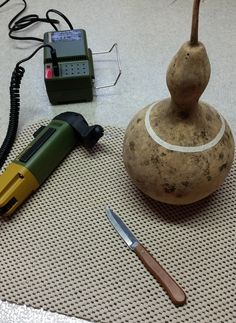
x=60, y=253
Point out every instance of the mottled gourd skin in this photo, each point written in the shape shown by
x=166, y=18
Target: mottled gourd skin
x=188, y=75
x=176, y=177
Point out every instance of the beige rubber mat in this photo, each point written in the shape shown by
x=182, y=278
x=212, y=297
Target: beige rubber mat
x=60, y=253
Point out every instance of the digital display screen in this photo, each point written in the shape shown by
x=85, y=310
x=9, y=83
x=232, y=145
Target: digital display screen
x=69, y=35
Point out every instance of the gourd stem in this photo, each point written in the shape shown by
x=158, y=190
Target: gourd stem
x=195, y=19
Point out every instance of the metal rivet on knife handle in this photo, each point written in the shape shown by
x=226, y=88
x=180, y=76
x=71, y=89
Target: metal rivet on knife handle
x=174, y=291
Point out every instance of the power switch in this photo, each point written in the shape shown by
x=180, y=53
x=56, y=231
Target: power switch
x=48, y=72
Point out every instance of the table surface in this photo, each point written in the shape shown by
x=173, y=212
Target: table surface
x=148, y=33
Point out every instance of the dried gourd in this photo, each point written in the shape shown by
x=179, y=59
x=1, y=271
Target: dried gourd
x=180, y=150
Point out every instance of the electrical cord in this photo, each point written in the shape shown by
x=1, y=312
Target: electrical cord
x=60, y=14
x=16, y=78
x=5, y=2
x=18, y=24
x=24, y=22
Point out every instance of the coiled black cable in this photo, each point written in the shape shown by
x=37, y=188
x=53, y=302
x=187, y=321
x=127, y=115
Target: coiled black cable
x=14, y=113
x=16, y=78
x=16, y=25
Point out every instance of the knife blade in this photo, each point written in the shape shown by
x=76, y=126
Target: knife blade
x=174, y=291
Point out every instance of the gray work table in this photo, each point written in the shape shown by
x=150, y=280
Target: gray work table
x=148, y=34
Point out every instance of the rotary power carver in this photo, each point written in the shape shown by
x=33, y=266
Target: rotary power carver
x=37, y=161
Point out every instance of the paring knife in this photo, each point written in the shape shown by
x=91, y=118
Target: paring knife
x=174, y=291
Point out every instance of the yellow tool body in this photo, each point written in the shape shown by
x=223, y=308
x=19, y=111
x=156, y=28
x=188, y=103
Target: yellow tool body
x=16, y=184
x=51, y=144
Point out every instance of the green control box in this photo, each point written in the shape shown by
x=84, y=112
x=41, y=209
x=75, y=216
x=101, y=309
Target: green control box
x=76, y=73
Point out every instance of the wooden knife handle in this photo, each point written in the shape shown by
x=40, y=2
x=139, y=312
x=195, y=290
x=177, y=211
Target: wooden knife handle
x=174, y=291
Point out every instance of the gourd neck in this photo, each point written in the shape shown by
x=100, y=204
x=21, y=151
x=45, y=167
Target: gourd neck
x=184, y=111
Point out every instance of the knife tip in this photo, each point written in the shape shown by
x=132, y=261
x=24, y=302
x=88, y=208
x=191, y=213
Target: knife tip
x=108, y=209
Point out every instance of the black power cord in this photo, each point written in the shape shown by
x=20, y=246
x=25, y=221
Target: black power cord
x=5, y=2
x=59, y=14
x=16, y=78
x=18, y=24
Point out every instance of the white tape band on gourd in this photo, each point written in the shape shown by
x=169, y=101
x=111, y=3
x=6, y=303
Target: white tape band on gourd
x=184, y=149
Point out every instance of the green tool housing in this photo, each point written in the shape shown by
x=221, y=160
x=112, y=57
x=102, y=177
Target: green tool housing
x=56, y=140
x=51, y=144
x=74, y=82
